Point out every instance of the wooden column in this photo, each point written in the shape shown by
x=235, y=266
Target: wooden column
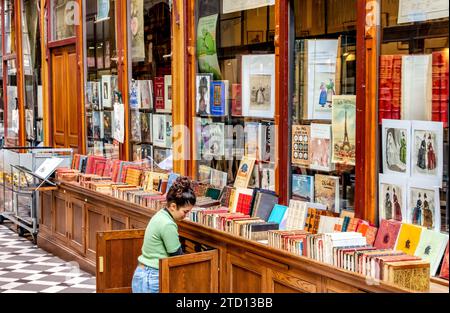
x=366, y=111
x=45, y=54
x=282, y=101
x=79, y=29
x=191, y=72
x=20, y=72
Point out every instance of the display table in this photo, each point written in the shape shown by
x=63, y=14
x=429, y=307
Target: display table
x=71, y=217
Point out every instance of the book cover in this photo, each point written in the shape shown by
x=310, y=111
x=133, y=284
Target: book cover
x=137, y=152
x=244, y=172
x=162, y=130
x=303, y=187
x=172, y=178
x=219, y=98
x=267, y=175
x=213, y=137
x=320, y=147
x=343, y=130
x=236, y=100
x=387, y=234
x=389, y=92
x=203, y=87
x=301, y=145
x=204, y=174
x=408, y=238
x=263, y=207
x=135, y=120
x=251, y=139
x=243, y=203
x=159, y=94
x=146, y=130
x=431, y=247
x=146, y=94
x=168, y=93
x=296, y=215
x=218, y=178
x=135, y=95
x=327, y=191
x=96, y=124
x=444, y=267
x=440, y=86
x=146, y=151
x=106, y=91
x=107, y=124
x=277, y=214
x=266, y=141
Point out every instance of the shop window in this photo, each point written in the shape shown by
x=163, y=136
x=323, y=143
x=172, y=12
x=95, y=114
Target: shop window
x=235, y=94
x=10, y=33
x=323, y=130
x=102, y=90
x=150, y=86
x=64, y=15
x=12, y=117
x=413, y=113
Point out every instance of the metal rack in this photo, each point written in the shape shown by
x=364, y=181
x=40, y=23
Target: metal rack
x=19, y=196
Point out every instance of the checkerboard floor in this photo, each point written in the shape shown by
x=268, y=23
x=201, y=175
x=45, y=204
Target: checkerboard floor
x=25, y=268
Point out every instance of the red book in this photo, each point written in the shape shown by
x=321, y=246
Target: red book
x=387, y=234
x=444, y=267
x=92, y=159
x=385, y=88
x=353, y=224
x=107, y=171
x=371, y=234
x=99, y=167
x=159, y=93
x=76, y=161
x=440, y=67
x=244, y=203
x=236, y=100
x=115, y=170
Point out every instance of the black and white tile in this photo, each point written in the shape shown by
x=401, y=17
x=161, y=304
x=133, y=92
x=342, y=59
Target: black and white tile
x=25, y=268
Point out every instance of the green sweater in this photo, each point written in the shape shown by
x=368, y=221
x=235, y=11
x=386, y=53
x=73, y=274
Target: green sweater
x=160, y=239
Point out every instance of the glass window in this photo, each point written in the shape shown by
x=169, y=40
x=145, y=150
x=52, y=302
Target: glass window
x=31, y=47
x=235, y=95
x=10, y=38
x=102, y=89
x=64, y=14
x=12, y=118
x=2, y=97
x=150, y=99
x=413, y=113
x=324, y=103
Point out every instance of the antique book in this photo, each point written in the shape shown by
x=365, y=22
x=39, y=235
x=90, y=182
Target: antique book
x=213, y=193
x=218, y=178
x=241, y=193
x=225, y=196
x=301, y=145
x=219, y=98
x=146, y=127
x=133, y=176
x=440, y=87
x=320, y=147
x=244, y=172
x=327, y=224
x=203, y=98
x=168, y=93
x=414, y=275
x=162, y=130
x=106, y=91
x=303, y=187
x=264, y=203
x=444, y=267
x=135, y=121
x=259, y=231
x=236, y=100
x=244, y=203
x=266, y=141
x=387, y=234
x=159, y=94
x=408, y=238
x=327, y=191
x=389, y=92
x=213, y=138
x=343, y=129
x=296, y=215
x=431, y=247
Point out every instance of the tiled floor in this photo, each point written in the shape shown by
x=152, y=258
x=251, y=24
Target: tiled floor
x=25, y=268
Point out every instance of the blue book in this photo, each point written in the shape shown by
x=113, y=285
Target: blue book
x=277, y=214
x=172, y=177
x=303, y=187
x=219, y=98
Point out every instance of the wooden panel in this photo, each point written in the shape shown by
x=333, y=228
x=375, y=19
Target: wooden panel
x=60, y=219
x=243, y=276
x=76, y=225
x=118, y=221
x=334, y=286
x=95, y=222
x=58, y=97
x=298, y=282
x=117, y=253
x=137, y=223
x=195, y=272
x=72, y=100
x=46, y=211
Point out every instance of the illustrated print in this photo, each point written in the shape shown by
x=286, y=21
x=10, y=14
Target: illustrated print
x=425, y=158
x=422, y=204
x=260, y=91
x=391, y=207
x=396, y=141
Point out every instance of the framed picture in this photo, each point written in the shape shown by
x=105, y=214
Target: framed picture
x=255, y=36
x=424, y=204
x=396, y=147
x=258, y=85
x=392, y=197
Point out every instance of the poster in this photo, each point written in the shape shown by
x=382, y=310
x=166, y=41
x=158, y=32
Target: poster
x=207, y=46
x=396, y=146
x=421, y=10
x=343, y=130
x=119, y=122
x=230, y=6
x=137, y=30
x=258, y=85
x=102, y=10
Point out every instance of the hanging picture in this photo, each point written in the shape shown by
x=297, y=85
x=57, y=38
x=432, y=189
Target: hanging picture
x=106, y=91
x=343, y=129
x=203, y=87
x=207, y=46
x=419, y=10
x=427, y=150
x=392, y=197
x=230, y=6
x=102, y=10
x=320, y=147
x=258, y=85
x=396, y=146
x=424, y=204
x=137, y=30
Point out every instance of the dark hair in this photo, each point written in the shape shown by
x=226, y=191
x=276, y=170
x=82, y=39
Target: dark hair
x=181, y=192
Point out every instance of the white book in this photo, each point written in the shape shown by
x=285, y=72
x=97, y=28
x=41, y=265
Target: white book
x=296, y=215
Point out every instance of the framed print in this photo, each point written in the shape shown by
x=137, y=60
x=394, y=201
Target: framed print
x=424, y=204
x=396, y=146
x=258, y=85
x=343, y=130
x=392, y=197
x=203, y=87
x=427, y=150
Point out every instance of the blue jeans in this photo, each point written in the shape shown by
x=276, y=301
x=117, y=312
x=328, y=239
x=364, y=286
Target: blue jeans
x=145, y=280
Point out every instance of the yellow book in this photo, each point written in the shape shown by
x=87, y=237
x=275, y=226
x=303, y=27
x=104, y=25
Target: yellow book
x=408, y=238
x=244, y=172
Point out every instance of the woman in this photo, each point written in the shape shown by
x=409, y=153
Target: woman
x=431, y=155
x=161, y=236
x=397, y=208
x=388, y=205
x=421, y=154
x=391, y=150
x=417, y=214
x=427, y=214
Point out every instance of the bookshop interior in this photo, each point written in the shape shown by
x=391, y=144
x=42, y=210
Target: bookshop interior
x=315, y=134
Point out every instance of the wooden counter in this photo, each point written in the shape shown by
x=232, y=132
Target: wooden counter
x=71, y=217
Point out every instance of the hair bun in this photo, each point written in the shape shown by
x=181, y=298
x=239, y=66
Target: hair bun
x=182, y=184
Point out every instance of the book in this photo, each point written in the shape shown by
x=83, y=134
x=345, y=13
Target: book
x=107, y=124
x=146, y=127
x=213, y=138
x=171, y=179
x=241, y=200
x=326, y=189
x=343, y=129
x=135, y=120
x=301, y=145
x=277, y=214
x=244, y=172
x=203, y=98
x=264, y=203
x=135, y=95
x=431, y=247
x=389, y=91
x=244, y=203
x=168, y=93
x=236, y=100
x=106, y=91
x=408, y=238
x=444, y=267
x=267, y=175
x=440, y=69
x=303, y=187
x=159, y=94
x=251, y=139
x=387, y=234
x=320, y=147
x=413, y=275
x=266, y=141
x=162, y=130
x=296, y=215
x=219, y=98
x=146, y=94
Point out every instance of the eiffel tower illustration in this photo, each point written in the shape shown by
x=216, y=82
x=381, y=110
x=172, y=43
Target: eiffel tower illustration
x=346, y=142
